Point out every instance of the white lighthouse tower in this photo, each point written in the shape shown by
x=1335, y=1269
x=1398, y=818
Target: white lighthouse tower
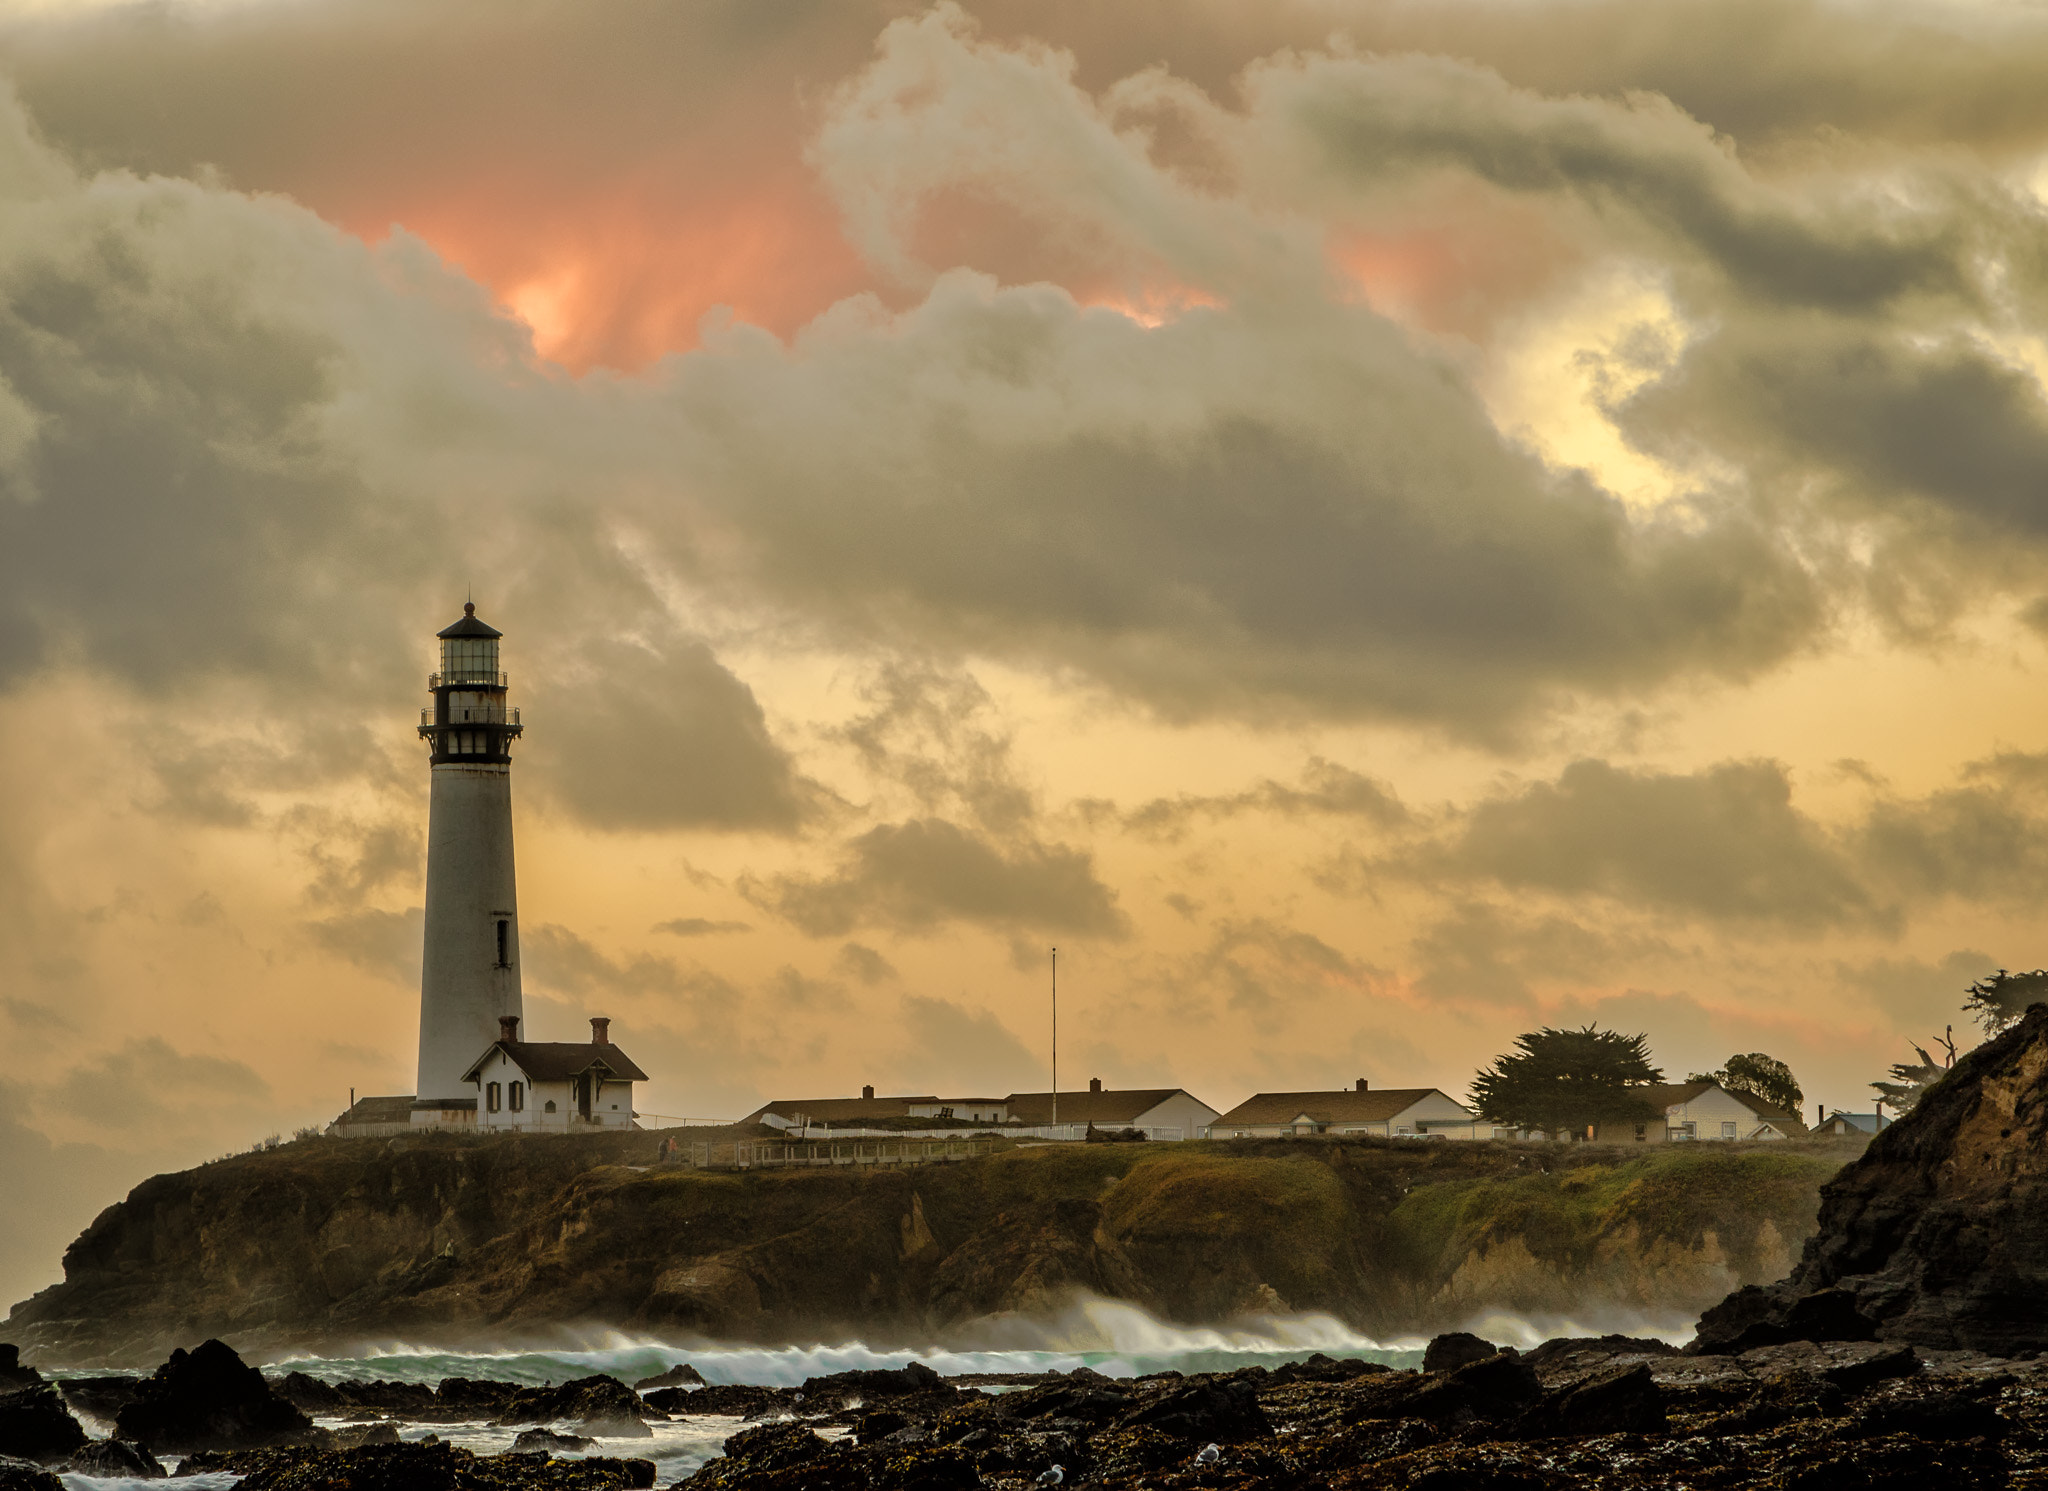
x=469, y=978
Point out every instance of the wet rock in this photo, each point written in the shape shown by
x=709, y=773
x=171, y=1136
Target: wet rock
x=1454, y=1349
x=35, y=1425
x=26, y=1475
x=598, y=1405
x=1933, y=1235
x=775, y=1456
x=425, y=1466
x=1494, y=1389
x=1570, y=1357
x=115, y=1457
x=1320, y=1368
x=870, y=1427
x=208, y=1399
x=911, y=1377
x=102, y=1397
x=547, y=1440
x=355, y=1436
x=471, y=1398
x=682, y=1374
x=13, y=1374
x=1225, y=1412
x=1621, y=1400
x=413, y=1400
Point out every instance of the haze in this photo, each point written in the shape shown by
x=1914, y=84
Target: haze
x=1371, y=527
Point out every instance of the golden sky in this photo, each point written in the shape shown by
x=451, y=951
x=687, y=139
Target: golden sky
x=1371, y=526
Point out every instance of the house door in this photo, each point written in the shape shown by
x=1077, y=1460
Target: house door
x=583, y=1085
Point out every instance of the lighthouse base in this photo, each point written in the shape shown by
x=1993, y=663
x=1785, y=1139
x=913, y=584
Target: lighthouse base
x=445, y=1113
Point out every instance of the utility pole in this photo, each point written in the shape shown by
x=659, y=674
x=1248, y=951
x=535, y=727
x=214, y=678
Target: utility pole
x=1055, y=1039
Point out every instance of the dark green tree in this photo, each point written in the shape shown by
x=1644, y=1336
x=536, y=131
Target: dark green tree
x=1997, y=1001
x=1761, y=1076
x=1561, y=1081
x=1910, y=1080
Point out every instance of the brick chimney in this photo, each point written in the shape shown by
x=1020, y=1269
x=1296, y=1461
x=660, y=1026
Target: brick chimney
x=508, y=1028
x=600, y=1031
x=868, y=1093
x=1361, y=1084
x=1095, y=1084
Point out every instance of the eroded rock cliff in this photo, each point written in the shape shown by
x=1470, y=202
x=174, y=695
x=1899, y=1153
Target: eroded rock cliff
x=326, y=1244
x=1938, y=1234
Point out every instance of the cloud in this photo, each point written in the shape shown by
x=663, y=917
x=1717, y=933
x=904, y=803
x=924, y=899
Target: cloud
x=647, y=739
x=1326, y=790
x=1725, y=841
x=918, y=875
x=1478, y=952
x=954, y=1050
x=697, y=926
x=388, y=944
x=1917, y=994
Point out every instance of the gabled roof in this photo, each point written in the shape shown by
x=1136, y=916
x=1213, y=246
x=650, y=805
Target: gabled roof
x=1093, y=1107
x=1346, y=1105
x=1777, y=1118
x=1671, y=1094
x=838, y=1110
x=559, y=1061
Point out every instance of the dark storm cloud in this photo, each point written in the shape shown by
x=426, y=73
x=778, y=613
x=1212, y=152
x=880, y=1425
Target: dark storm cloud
x=1724, y=842
x=1728, y=843
x=919, y=875
x=648, y=740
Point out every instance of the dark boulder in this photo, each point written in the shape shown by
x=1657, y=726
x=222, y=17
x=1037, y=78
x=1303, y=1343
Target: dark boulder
x=35, y=1425
x=26, y=1475
x=208, y=1399
x=423, y=1466
x=470, y=1397
x=310, y=1394
x=1225, y=1411
x=12, y=1373
x=886, y=1382
x=682, y=1374
x=782, y=1457
x=600, y=1405
x=115, y=1457
x=1320, y=1368
x=1621, y=1400
x=547, y=1440
x=355, y=1436
x=1454, y=1349
x=102, y=1397
x=1935, y=1235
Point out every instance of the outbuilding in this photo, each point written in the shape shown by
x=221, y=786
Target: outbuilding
x=553, y=1085
x=1389, y=1112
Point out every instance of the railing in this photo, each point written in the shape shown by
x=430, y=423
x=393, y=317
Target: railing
x=463, y=677
x=475, y=714
x=745, y=1154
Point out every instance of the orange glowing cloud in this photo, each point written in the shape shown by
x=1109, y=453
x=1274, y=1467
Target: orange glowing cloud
x=1458, y=268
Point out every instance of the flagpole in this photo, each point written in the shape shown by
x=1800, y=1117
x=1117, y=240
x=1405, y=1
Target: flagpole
x=1055, y=1040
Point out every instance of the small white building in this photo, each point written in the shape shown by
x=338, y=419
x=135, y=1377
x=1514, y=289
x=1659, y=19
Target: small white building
x=1703, y=1112
x=558, y=1086
x=1388, y=1112
x=1162, y=1112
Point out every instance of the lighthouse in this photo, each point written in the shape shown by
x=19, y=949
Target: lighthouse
x=469, y=976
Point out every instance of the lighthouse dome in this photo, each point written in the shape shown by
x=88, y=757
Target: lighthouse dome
x=469, y=626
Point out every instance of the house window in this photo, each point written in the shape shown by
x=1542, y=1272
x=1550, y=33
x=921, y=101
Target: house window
x=1727, y=1131
x=1642, y=1132
x=504, y=944
x=490, y=1097
x=1689, y=1130
x=515, y=1096
x=550, y=1106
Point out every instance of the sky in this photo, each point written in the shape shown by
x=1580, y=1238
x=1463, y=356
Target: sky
x=1372, y=527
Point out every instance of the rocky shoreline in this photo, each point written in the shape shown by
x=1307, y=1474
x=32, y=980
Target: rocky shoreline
x=1606, y=1412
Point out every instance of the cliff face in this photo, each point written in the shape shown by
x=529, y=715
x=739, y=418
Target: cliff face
x=1938, y=1234
x=326, y=1244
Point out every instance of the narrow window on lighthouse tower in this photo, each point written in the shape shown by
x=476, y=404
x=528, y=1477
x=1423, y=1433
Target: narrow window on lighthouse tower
x=504, y=949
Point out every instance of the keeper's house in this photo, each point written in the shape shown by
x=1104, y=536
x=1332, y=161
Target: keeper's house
x=1388, y=1112
x=1702, y=1112
x=556, y=1086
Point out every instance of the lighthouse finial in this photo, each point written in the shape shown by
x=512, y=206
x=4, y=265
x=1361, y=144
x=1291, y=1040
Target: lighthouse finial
x=469, y=608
